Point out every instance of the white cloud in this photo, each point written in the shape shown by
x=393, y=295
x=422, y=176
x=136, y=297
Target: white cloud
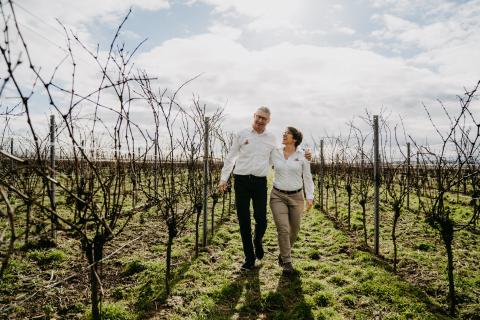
x=315, y=88
x=448, y=44
x=338, y=6
x=267, y=23
x=266, y=15
x=409, y=7
x=429, y=36
x=225, y=30
x=47, y=46
x=46, y=38
x=128, y=34
x=252, y=8
x=345, y=30
x=77, y=12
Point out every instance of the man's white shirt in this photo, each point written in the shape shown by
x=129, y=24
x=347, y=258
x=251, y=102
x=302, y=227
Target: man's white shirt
x=250, y=154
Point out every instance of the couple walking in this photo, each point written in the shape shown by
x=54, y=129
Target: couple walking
x=253, y=151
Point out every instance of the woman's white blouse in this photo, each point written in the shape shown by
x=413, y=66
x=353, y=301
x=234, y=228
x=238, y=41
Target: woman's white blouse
x=292, y=173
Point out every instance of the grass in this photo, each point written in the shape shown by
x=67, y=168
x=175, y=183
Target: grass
x=113, y=311
x=421, y=254
x=47, y=257
x=333, y=281
x=336, y=278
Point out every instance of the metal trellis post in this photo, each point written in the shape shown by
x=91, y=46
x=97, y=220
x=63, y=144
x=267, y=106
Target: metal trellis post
x=52, y=167
x=322, y=174
x=376, y=177
x=205, y=181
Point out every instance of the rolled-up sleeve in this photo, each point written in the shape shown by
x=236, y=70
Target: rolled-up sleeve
x=230, y=159
x=308, y=180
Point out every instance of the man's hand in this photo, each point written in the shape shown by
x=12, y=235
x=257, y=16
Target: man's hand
x=222, y=186
x=308, y=154
x=309, y=205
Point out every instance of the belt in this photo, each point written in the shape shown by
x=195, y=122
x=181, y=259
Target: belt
x=287, y=192
x=250, y=176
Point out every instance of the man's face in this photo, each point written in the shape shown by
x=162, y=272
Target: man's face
x=260, y=121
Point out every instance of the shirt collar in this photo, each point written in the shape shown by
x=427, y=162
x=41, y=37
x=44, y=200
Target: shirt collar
x=298, y=153
x=259, y=134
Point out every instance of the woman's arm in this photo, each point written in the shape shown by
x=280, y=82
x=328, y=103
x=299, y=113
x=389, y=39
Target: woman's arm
x=308, y=183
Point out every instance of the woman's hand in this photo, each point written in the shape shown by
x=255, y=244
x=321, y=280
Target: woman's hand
x=309, y=204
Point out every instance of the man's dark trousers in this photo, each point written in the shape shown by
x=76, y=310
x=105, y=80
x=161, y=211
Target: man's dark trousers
x=248, y=187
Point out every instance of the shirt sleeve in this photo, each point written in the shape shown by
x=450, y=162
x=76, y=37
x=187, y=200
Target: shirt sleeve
x=308, y=180
x=230, y=159
x=270, y=159
x=272, y=152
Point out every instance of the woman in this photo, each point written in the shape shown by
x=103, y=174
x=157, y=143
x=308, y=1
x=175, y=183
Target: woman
x=292, y=173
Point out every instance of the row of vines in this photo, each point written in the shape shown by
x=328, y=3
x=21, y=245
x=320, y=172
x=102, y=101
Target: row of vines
x=437, y=185
x=97, y=168
x=100, y=166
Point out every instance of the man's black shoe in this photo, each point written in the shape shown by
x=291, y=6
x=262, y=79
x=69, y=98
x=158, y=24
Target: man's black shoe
x=247, y=266
x=259, y=253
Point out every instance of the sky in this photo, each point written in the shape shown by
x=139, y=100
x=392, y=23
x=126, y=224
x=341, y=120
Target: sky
x=317, y=64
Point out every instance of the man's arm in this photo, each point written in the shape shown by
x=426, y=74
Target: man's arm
x=308, y=154
x=228, y=163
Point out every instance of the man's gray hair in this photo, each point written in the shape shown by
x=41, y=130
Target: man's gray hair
x=264, y=109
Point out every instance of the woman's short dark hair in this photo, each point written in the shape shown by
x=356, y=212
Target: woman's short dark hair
x=297, y=135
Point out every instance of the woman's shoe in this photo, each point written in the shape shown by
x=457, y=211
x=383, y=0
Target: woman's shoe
x=288, y=268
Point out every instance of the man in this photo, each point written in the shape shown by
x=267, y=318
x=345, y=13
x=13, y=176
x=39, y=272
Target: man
x=250, y=153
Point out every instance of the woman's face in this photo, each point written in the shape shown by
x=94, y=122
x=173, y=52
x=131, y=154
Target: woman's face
x=287, y=138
